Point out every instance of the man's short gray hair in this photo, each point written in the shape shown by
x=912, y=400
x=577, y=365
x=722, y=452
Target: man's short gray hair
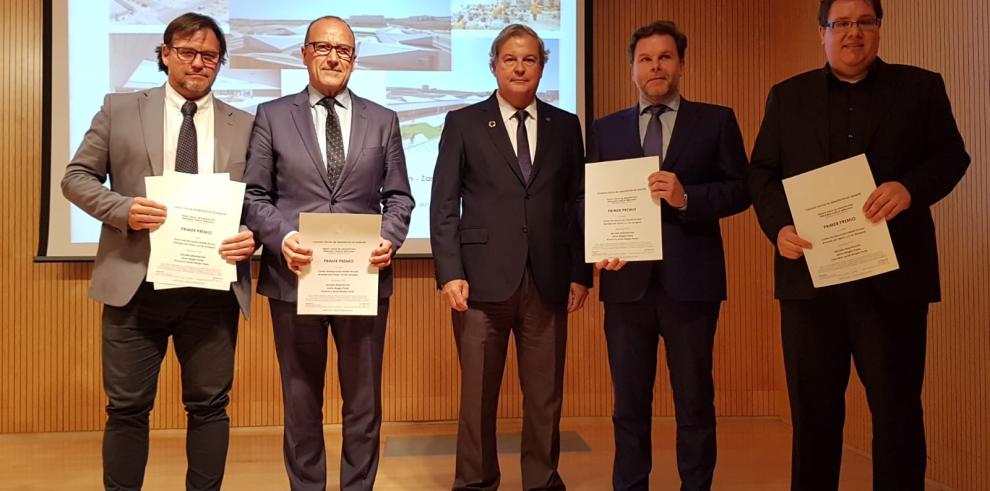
x=511, y=31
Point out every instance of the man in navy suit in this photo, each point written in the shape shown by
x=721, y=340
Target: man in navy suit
x=326, y=150
x=701, y=178
x=509, y=257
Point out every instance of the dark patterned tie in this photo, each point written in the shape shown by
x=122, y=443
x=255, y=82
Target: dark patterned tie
x=186, y=159
x=653, y=141
x=335, y=141
x=522, y=145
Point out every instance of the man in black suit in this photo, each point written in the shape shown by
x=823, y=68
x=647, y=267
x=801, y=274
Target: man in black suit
x=701, y=179
x=900, y=117
x=506, y=186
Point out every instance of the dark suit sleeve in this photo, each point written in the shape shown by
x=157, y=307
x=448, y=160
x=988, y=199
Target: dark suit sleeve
x=260, y=213
x=764, y=178
x=397, y=199
x=88, y=170
x=947, y=160
x=581, y=272
x=445, y=205
x=726, y=195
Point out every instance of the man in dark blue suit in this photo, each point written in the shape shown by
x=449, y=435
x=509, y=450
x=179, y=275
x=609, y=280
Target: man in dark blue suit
x=701, y=179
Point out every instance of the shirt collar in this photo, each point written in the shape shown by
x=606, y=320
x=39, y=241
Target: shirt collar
x=870, y=74
x=175, y=99
x=343, y=98
x=508, y=110
x=672, y=106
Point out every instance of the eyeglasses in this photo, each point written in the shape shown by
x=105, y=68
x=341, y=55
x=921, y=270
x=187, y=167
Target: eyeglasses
x=344, y=52
x=187, y=55
x=870, y=24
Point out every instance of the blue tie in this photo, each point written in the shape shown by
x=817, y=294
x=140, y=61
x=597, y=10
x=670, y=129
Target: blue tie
x=522, y=145
x=653, y=141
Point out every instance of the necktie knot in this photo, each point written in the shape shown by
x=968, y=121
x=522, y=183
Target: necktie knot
x=188, y=108
x=521, y=115
x=328, y=102
x=657, y=110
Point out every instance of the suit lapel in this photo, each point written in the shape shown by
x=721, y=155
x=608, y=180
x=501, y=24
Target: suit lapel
x=499, y=135
x=881, y=98
x=816, y=110
x=679, y=138
x=628, y=135
x=359, y=126
x=303, y=119
x=544, y=139
x=223, y=124
x=151, y=108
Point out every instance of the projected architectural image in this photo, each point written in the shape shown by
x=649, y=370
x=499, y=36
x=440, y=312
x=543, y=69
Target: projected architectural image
x=414, y=57
x=496, y=14
x=160, y=12
x=414, y=37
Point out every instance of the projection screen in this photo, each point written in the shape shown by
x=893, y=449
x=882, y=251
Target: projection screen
x=419, y=58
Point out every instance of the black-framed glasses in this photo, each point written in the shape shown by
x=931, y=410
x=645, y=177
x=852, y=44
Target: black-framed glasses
x=845, y=25
x=187, y=55
x=344, y=52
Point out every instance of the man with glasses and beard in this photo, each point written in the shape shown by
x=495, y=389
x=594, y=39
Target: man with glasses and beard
x=179, y=127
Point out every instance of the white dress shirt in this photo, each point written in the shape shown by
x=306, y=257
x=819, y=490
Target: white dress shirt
x=203, y=120
x=512, y=125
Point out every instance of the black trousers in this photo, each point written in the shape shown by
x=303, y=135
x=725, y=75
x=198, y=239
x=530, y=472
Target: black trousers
x=632, y=333
x=886, y=340
x=301, y=343
x=482, y=337
x=203, y=327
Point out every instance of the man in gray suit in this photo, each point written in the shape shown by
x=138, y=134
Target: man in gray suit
x=326, y=150
x=143, y=134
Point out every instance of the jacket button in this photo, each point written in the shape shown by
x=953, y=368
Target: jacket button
x=525, y=230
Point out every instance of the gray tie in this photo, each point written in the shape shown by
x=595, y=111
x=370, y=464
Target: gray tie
x=335, y=142
x=522, y=145
x=186, y=159
x=653, y=141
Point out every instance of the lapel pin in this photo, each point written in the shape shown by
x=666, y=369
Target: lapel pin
x=491, y=124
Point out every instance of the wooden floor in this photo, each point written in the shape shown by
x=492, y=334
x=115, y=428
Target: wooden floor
x=754, y=455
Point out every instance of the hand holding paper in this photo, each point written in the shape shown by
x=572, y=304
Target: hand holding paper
x=145, y=214
x=828, y=205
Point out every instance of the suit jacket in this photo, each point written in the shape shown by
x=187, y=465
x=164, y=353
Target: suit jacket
x=286, y=176
x=487, y=223
x=125, y=144
x=706, y=152
x=912, y=138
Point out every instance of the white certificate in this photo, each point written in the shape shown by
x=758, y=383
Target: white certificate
x=203, y=210
x=340, y=280
x=827, y=206
x=621, y=218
